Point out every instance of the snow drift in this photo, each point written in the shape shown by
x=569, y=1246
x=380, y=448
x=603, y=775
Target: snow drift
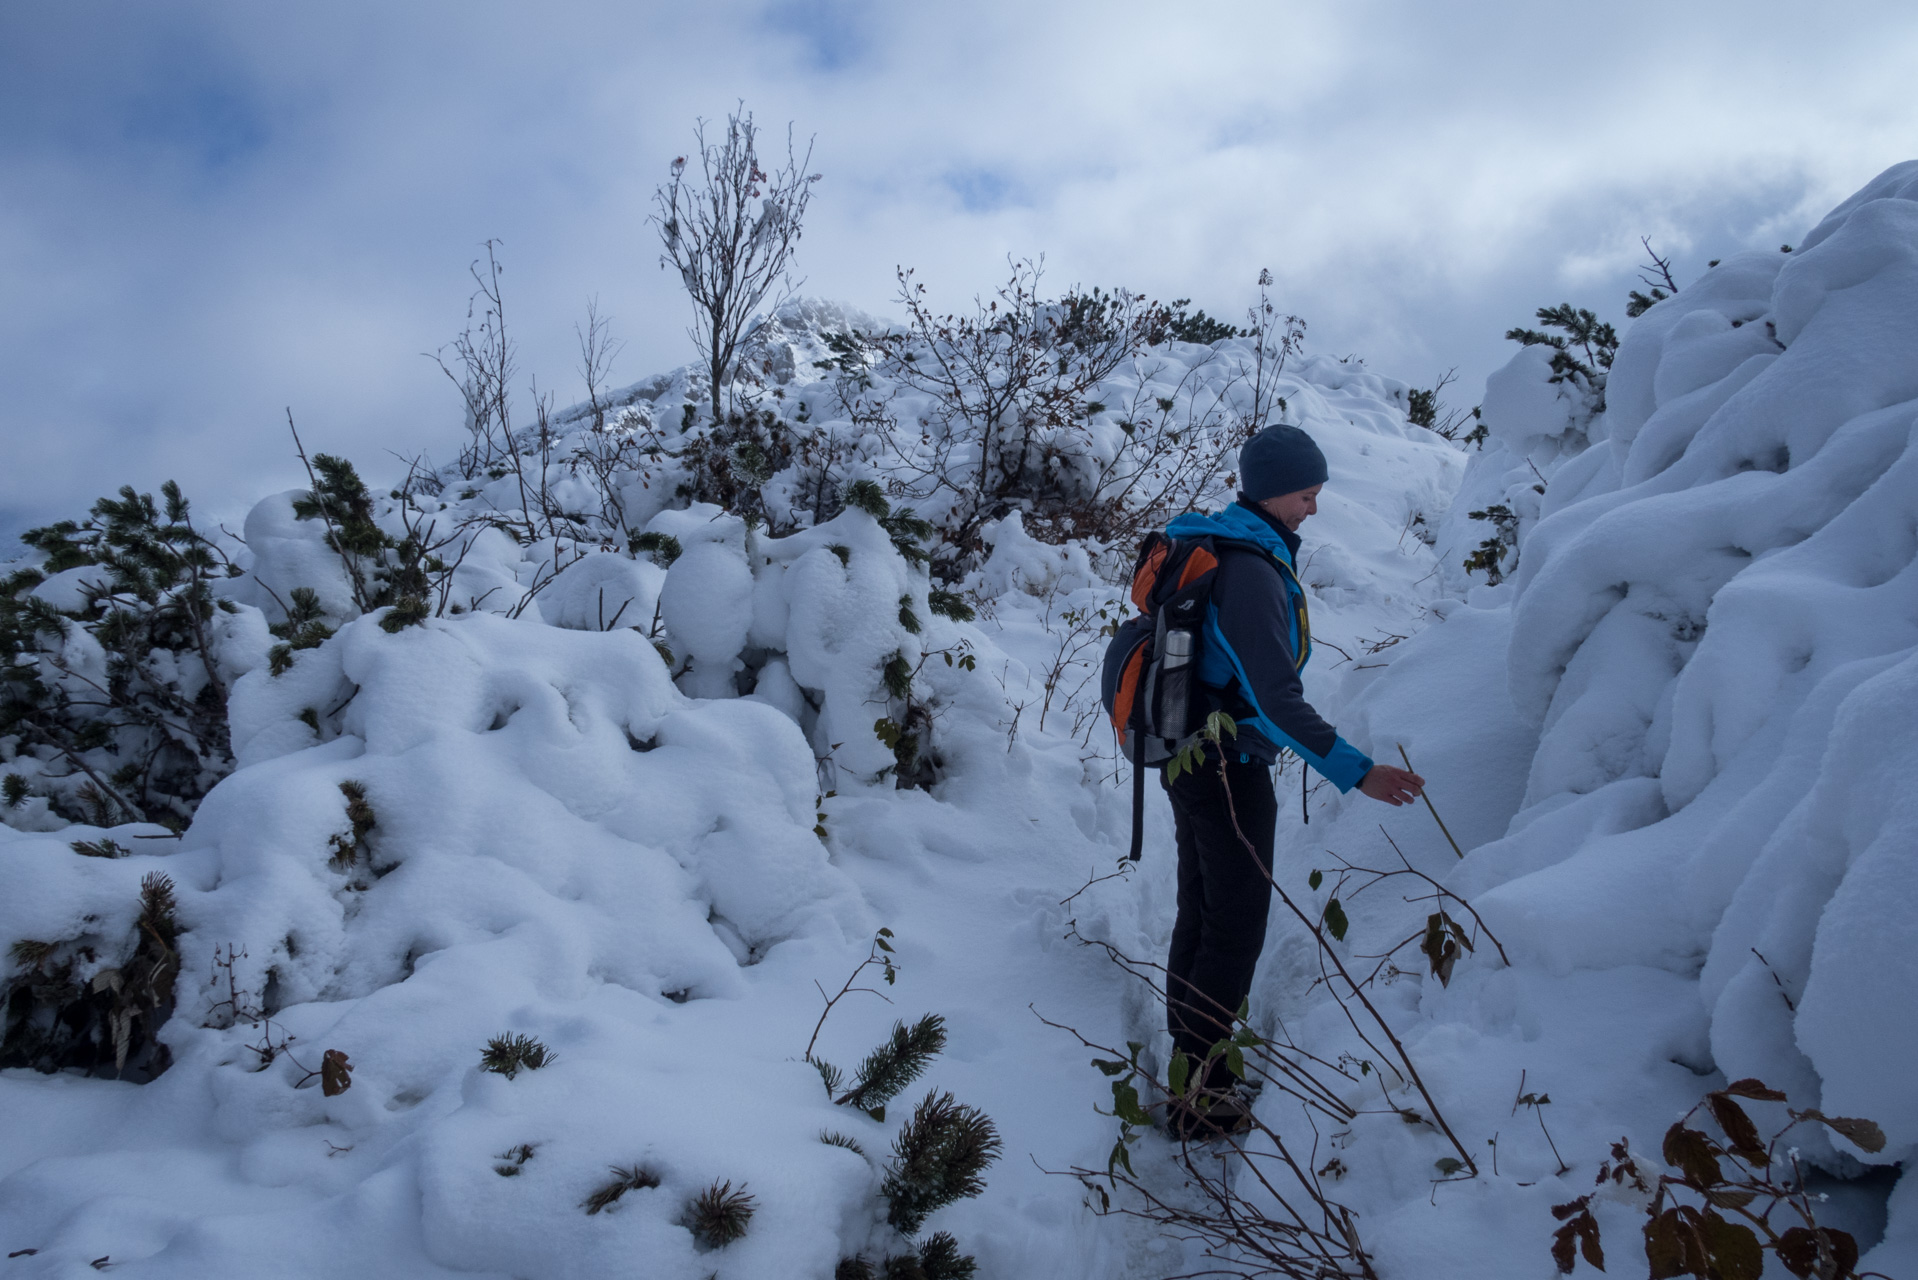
x=638, y=815
x=1690, y=712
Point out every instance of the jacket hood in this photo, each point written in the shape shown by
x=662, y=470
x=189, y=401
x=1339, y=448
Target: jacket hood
x=1239, y=523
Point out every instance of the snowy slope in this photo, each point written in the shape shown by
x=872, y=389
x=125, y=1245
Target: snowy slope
x=1674, y=746
x=570, y=841
x=1678, y=747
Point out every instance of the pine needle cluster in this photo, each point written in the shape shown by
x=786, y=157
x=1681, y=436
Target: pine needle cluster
x=511, y=1053
x=1196, y=326
x=719, y=1215
x=381, y=570
x=833, y=1138
x=937, y=1258
x=347, y=848
x=898, y=1061
x=904, y=526
x=53, y=1019
x=159, y=918
x=664, y=548
x=1580, y=331
x=513, y=1162
x=631, y=1178
x=304, y=627
x=939, y=1157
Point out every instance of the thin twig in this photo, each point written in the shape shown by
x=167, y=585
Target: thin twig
x=1325, y=953
x=1427, y=797
x=876, y=956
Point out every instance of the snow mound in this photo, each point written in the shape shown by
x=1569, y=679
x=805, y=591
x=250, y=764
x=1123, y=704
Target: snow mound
x=1674, y=742
x=633, y=795
x=1723, y=615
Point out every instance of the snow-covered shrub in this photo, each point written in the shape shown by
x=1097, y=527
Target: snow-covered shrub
x=94, y=1000
x=117, y=651
x=1023, y=409
x=1694, y=708
x=1538, y=413
x=383, y=572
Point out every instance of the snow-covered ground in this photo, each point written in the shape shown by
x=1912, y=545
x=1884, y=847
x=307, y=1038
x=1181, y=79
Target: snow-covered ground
x=1674, y=746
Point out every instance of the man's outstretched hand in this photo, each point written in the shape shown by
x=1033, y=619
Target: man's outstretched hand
x=1394, y=786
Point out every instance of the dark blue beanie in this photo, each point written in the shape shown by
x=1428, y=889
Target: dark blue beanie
x=1280, y=459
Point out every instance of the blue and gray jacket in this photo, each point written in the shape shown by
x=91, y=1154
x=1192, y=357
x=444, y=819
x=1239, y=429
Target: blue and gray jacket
x=1251, y=635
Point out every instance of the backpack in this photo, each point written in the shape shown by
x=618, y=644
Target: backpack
x=1150, y=682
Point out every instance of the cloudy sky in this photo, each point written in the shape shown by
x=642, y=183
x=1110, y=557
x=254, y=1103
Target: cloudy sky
x=212, y=212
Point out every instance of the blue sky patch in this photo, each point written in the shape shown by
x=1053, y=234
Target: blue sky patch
x=832, y=32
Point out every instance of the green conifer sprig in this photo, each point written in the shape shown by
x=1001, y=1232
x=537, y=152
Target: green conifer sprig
x=905, y=527
x=949, y=604
x=1198, y=326
x=630, y=1178
x=158, y=907
x=834, y=1138
x=382, y=570
x=513, y=1162
x=304, y=627
x=719, y=1215
x=898, y=676
x=939, y=1157
x=1581, y=330
x=347, y=848
x=939, y=1255
x=145, y=742
x=937, y=1259
x=896, y=1063
x=664, y=548
x=511, y=1053
x=869, y=498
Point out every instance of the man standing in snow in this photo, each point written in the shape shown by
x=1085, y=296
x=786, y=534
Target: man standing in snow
x=1256, y=640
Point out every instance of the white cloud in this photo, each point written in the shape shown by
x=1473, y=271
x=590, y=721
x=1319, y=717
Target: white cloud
x=213, y=211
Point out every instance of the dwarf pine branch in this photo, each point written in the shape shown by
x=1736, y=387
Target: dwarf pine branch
x=896, y=1063
x=719, y=1215
x=142, y=735
x=53, y=1019
x=939, y=1157
x=511, y=1053
x=607, y=1194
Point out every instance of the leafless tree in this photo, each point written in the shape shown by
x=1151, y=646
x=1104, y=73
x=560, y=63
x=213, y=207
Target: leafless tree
x=1276, y=338
x=1011, y=386
x=730, y=232
x=483, y=365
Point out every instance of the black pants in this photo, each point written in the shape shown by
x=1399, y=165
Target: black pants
x=1224, y=894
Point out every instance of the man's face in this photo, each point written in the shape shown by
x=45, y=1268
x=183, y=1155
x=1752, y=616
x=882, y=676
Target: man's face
x=1291, y=509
